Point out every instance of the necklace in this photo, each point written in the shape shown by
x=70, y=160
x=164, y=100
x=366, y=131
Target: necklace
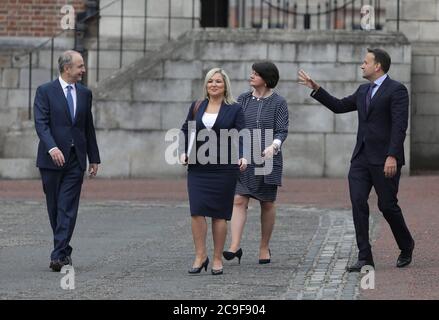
x=269, y=93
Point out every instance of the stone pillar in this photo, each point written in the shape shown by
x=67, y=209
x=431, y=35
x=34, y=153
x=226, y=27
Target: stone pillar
x=419, y=21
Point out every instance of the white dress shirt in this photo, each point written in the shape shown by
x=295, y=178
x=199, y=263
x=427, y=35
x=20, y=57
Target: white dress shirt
x=209, y=119
x=64, y=86
x=72, y=91
x=378, y=83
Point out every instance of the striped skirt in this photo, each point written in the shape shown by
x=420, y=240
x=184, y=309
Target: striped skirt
x=253, y=186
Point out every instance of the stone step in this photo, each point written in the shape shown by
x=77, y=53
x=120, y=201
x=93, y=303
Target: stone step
x=19, y=168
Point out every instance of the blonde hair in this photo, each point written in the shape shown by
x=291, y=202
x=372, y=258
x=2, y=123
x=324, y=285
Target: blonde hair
x=228, y=97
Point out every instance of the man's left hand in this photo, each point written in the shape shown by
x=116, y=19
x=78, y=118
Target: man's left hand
x=390, y=167
x=93, y=170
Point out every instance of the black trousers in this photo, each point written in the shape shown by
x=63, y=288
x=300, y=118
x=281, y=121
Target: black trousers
x=63, y=189
x=362, y=176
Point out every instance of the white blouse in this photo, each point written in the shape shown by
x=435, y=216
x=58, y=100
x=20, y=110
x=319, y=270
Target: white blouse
x=209, y=119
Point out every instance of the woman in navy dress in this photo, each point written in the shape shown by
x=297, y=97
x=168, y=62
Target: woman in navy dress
x=266, y=115
x=214, y=165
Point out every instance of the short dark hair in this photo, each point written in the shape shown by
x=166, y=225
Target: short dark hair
x=381, y=57
x=268, y=71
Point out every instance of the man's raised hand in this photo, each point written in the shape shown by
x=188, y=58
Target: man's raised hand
x=305, y=79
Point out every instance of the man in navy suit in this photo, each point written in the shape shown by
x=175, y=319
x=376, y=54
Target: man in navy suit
x=382, y=106
x=64, y=124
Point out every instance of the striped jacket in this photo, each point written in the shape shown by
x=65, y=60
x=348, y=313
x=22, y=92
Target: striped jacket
x=272, y=115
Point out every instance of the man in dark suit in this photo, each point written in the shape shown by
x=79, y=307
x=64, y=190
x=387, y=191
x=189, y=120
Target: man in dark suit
x=382, y=106
x=64, y=124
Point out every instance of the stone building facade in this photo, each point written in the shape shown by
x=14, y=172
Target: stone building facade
x=148, y=77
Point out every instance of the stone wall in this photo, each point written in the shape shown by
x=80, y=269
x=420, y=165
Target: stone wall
x=144, y=26
x=18, y=141
x=135, y=107
x=420, y=23
x=138, y=105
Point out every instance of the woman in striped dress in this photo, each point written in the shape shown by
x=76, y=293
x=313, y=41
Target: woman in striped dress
x=266, y=115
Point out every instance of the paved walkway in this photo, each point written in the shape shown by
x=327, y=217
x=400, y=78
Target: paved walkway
x=133, y=241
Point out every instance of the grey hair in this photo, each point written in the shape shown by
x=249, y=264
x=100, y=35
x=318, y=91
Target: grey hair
x=228, y=97
x=65, y=59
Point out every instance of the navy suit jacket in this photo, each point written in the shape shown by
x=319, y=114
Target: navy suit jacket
x=55, y=128
x=381, y=130
x=229, y=117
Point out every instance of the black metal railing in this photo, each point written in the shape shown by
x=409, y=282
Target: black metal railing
x=94, y=13
x=324, y=15
x=285, y=14
x=146, y=17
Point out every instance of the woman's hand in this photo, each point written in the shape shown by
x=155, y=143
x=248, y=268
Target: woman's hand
x=268, y=153
x=242, y=164
x=183, y=159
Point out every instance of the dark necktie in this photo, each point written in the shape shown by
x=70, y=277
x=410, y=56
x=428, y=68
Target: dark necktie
x=369, y=96
x=70, y=102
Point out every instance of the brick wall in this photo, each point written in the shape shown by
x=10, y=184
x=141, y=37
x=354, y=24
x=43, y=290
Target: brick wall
x=38, y=18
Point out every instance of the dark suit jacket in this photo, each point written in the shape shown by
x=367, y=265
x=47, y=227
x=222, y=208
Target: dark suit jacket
x=54, y=125
x=382, y=130
x=229, y=117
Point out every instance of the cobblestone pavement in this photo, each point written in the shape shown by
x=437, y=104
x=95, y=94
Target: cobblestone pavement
x=321, y=274
x=140, y=250
x=140, y=247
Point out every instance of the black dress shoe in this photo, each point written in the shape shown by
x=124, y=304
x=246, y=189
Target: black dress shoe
x=198, y=269
x=68, y=260
x=405, y=257
x=265, y=261
x=229, y=255
x=56, y=265
x=356, y=267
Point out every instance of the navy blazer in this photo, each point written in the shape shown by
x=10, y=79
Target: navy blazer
x=229, y=117
x=382, y=129
x=55, y=128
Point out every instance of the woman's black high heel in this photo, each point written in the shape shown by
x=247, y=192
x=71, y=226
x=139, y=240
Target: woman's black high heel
x=198, y=270
x=265, y=261
x=217, y=272
x=229, y=255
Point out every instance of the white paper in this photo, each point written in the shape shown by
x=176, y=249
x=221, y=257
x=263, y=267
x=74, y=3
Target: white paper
x=191, y=143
